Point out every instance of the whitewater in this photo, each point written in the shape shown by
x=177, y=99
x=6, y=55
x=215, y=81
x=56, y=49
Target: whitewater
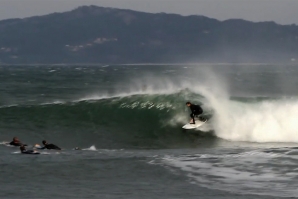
x=131, y=115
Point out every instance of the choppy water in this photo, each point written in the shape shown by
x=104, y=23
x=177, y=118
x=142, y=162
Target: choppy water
x=131, y=117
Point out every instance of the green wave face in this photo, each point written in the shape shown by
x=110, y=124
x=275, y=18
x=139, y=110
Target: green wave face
x=144, y=106
x=142, y=121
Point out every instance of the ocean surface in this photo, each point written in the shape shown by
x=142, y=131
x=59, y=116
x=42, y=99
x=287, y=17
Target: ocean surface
x=127, y=120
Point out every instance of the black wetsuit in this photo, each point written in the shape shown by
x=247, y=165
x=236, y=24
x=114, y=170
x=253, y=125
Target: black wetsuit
x=195, y=111
x=17, y=144
x=30, y=152
x=51, y=146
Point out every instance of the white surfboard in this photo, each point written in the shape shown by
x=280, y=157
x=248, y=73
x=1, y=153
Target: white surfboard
x=194, y=126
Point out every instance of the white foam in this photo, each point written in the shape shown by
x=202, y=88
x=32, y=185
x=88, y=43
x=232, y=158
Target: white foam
x=91, y=148
x=263, y=121
x=267, y=121
x=4, y=143
x=253, y=172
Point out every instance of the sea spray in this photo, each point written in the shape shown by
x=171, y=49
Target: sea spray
x=265, y=121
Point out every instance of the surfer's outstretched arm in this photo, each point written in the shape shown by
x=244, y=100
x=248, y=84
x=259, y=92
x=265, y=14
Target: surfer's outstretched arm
x=49, y=146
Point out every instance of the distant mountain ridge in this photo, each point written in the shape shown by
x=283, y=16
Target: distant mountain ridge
x=91, y=34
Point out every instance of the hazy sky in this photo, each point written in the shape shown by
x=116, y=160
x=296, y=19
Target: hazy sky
x=280, y=11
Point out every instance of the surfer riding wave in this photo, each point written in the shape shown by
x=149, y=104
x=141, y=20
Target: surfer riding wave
x=196, y=110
